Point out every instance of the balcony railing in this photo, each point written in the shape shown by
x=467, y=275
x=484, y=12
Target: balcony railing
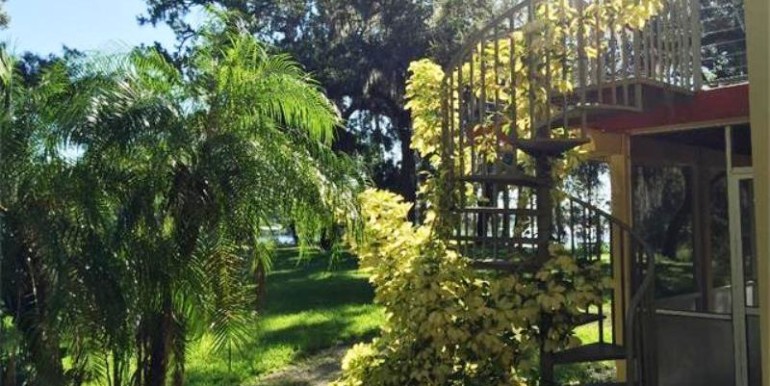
x=545, y=68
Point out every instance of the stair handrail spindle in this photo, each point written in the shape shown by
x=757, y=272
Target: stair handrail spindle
x=639, y=324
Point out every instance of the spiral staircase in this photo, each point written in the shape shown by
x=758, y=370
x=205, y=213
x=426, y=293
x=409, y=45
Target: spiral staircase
x=505, y=217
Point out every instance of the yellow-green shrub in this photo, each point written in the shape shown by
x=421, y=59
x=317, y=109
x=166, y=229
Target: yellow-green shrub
x=449, y=324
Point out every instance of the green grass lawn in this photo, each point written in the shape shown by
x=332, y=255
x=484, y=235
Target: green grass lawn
x=311, y=304
x=590, y=372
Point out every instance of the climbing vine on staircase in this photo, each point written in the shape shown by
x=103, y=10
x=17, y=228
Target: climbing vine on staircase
x=448, y=324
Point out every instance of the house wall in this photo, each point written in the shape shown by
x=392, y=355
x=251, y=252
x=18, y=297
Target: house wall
x=758, y=32
x=694, y=351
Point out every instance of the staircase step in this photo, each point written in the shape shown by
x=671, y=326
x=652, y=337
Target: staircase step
x=495, y=265
x=550, y=147
x=493, y=210
x=500, y=241
x=593, y=352
x=589, y=318
x=505, y=179
x=573, y=116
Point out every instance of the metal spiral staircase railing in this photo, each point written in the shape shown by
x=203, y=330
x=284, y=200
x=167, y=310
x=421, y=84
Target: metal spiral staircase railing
x=627, y=70
x=506, y=95
x=592, y=235
x=624, y=319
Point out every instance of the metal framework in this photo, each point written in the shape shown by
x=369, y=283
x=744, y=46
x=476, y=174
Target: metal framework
x=510, y=110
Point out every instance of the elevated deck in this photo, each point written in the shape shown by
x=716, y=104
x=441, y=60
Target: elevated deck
x=712, y=107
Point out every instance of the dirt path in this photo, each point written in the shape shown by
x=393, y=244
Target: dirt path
x=318, y=370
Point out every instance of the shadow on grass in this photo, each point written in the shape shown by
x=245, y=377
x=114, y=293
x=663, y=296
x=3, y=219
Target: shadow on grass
x=213, y=377
x=303, y=337
x=311, y=305
x=316, y=292
x=314, y=283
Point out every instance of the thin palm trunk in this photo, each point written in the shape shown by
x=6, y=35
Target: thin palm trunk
x=160, y=343
x=260, y=277
x=9, y=376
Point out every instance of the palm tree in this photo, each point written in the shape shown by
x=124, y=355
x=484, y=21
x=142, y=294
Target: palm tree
x=135, y=191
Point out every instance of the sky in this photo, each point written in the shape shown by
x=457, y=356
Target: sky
x=43, y=26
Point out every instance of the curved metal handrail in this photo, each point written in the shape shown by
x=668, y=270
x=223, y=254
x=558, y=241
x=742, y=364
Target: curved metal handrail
x=626, y=59
x=477, y=36
x=645, y=286
x=624, y=62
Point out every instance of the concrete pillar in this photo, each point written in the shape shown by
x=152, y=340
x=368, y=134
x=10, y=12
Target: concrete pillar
x=758, y=42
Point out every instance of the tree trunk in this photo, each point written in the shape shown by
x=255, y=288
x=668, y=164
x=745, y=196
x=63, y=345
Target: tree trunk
x=260, y=277
x=117, y=368
x=33, y=320
x=9, y=378
x=160, y=344
x=678, y=222
x=408, y=176
x=180, y=348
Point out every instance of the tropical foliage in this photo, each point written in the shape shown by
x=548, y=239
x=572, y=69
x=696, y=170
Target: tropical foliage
x=133, y=194
x=360, y=52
